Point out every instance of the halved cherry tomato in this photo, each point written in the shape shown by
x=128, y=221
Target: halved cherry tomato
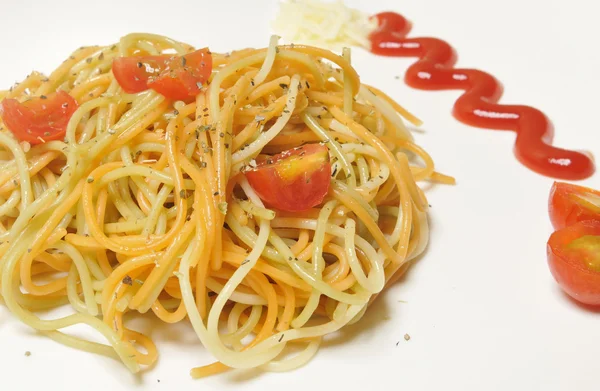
x=39, y=119
x=183, y=76
x=569, y=204
x=574, y=260
x=293, y=180
x=133, y=73
x=176, y=77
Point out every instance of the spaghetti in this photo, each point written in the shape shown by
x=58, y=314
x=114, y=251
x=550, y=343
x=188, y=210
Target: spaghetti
x=144, y=206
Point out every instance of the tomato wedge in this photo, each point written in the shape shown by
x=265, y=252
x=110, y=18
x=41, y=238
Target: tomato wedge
x=569, y=204
x=294, y=180
x=39, y=119
x=176, y=77
x=574, y=260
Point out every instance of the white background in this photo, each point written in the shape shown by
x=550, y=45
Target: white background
x=481, y=308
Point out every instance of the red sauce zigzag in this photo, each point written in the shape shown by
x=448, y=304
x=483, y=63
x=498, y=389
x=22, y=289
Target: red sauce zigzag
x=478, y=106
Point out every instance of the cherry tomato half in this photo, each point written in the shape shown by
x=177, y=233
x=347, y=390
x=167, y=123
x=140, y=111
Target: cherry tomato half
x=39, y=119
x=293, y=180
x=133, y=73
x=175, y=77
x=574, y=260
x=569, y=204
x=183, y=76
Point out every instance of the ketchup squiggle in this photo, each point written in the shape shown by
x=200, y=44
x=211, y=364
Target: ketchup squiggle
x=478, y=106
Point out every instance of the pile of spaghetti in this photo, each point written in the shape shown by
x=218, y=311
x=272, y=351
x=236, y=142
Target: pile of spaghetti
x=136, y=198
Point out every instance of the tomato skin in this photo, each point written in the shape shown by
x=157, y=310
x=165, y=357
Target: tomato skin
x=294, y=180
x=568, y=267
x=39, y=119
x=182, y=77
x=175, y=77
x=566, y=206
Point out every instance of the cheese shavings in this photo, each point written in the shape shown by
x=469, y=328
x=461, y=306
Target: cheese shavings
x=330, y=25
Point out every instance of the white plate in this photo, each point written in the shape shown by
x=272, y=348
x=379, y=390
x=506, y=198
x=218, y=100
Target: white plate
x=481, y=308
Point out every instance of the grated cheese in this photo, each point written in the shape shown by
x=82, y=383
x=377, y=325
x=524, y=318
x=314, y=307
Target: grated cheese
x=330, y=25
